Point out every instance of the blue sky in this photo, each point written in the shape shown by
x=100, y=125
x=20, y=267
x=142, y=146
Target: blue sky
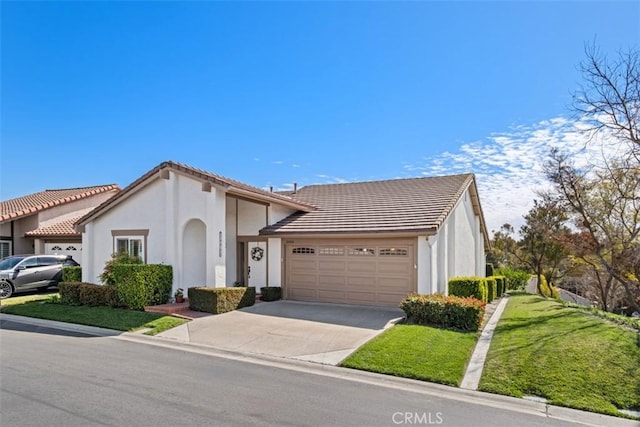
x=271, y=93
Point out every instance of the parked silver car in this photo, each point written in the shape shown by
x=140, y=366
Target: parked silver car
x=24, y=272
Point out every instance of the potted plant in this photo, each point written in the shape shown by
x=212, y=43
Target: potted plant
x=179, y=295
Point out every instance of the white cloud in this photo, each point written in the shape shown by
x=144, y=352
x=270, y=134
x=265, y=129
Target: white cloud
x=277, y=162
x=509, y=165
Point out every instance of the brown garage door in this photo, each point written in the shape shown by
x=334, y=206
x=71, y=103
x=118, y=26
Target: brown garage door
x=374, y=272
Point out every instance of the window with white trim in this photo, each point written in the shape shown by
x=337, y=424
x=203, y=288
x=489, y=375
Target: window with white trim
x=132, y=245
x=332, y=250
x=362, y=251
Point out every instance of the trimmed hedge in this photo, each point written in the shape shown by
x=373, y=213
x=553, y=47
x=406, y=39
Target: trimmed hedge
x=515, y=279
x=471, y=286
x=492, y=288
x=270, y=293
x=71, y=274
x=444, y=311
x=221, y=300
x=501, y=284
x=140, y=285
x=79, y=293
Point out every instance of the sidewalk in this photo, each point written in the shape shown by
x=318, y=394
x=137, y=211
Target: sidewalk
x=473, y=374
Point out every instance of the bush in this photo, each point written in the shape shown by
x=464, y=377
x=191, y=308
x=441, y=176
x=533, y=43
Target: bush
x=515, y=279
x=489, y=270
x=270, y=293
x=468, y=287
x=548, y=290
x=140, y=285
x=492, y=288
x=501, y=285
x=71, y=274
x=439, y=310
x=221, y=300
x=107, y=277
x=78, y=293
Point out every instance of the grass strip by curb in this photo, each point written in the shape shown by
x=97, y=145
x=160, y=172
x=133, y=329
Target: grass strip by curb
x=419, y=352
x=102, y=317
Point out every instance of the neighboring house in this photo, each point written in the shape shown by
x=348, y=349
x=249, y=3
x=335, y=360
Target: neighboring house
x=360, y=243
x=42, y=223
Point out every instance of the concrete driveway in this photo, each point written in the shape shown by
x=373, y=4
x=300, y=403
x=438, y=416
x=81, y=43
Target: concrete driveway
x=322, y=333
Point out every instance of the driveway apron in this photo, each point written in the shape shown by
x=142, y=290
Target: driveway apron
x=315, y=332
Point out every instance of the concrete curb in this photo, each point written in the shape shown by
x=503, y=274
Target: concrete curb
x=473, y=373
x=70, y=327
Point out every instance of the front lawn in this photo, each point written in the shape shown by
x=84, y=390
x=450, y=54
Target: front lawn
x=414, y=351
x=565, y=355
x=103, y=317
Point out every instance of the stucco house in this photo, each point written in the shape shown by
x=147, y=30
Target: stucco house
x=359, y=243
x=42, y=223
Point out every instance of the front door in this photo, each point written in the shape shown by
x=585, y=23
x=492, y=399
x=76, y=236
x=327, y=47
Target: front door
x=257, y=264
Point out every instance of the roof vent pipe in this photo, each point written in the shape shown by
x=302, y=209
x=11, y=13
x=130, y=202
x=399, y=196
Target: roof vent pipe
x=271, y=189
x=295, y=187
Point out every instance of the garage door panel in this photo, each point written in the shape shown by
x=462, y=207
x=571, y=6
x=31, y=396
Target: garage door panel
x=357, y=266
x=395, y=268
x=367, y=298
x=302, y=294
x=303, y=264
x=341, y=270
x=394, y=283
x=326, y=295
x=332, y=281
x=332, y=265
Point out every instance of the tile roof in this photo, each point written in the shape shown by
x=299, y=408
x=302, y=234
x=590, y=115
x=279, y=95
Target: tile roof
x=34, y=203
x=399, y=205
x=62, y=228
x=232, y=187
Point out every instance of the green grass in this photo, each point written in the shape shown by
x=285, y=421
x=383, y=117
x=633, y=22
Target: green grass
x=414, y=351
x=103, y=317
x=27, y=298
x=565, y=355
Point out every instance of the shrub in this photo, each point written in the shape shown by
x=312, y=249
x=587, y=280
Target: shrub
x=221, y=300
x=71, y=274
x=107, y=277
x=501, y=285
x=515, y=279
x=439, y=310
x=79, y=293
x=489, y=270
x=548, y=290
x=270, y=293
x=492, y=288
x=468, y=287
x=140, y=285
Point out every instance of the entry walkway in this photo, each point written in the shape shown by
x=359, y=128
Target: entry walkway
x=472, y=376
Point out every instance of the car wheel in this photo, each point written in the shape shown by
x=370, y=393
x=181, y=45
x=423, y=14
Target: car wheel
x=6, y=290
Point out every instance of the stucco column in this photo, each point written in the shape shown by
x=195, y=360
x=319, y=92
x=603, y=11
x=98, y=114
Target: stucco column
x=171, y=228
x=443, y=267
x=424, y=265
x=88, y=272
x=275, y=262
x=216, y=250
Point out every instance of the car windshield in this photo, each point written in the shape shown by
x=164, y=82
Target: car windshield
x=10, y=262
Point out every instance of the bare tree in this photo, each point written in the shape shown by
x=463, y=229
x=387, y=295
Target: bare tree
x=609, y=98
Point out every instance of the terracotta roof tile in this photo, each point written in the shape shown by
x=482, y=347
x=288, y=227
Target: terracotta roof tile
x=33, y=203
x=63, y=228
x=414, y=204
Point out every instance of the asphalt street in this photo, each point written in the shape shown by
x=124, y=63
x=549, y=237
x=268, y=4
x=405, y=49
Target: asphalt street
x=50, y=377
